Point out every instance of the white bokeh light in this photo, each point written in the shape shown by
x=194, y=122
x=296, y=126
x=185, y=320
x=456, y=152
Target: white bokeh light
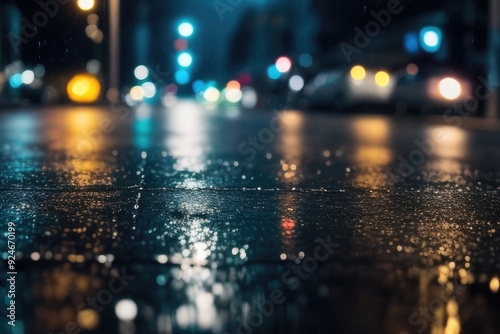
x=431, y=38
x=126, y=310
x=27, y=77
x=450, y=88
x=296, y=83
x=185, y=59
x=186, y=29
x=149, y=89
x=212, y=94
x=141, y=72
x=283, y=64
x=249, y=98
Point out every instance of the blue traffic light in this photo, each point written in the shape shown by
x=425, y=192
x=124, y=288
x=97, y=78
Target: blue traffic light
x=430, y=39
x=185, y=29
x=182, y=77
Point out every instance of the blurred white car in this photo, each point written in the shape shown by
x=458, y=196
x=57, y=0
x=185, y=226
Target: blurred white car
x=407, y=88
x=344, y=88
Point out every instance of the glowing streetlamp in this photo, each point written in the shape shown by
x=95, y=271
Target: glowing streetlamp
x=86, y=4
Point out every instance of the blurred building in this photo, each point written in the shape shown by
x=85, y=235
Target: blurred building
x=268, y=31
x=464, y=25
x=10, y=28
x=147, y=30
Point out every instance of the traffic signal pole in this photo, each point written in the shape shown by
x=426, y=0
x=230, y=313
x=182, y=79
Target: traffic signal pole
x=114, y=49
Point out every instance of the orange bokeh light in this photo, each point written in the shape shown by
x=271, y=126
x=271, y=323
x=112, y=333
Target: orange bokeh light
x=233, y=84
x=288, y=225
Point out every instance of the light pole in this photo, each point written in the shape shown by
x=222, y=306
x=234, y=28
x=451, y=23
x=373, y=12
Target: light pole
x=492, y=110
x=114, y=50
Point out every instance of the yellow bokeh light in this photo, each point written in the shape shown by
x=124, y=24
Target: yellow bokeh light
x=233, y=95
x=212, y=94
x=86, y=4
x=382, y=78
x=494, y=284
x=83, y=88
x=88, y=319
x=358, y=72
x=137, y=93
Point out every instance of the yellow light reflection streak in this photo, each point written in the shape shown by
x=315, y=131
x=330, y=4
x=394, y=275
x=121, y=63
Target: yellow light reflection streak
x=82, y=142
x=291, y=146
x=447, y=146
x=371, y=153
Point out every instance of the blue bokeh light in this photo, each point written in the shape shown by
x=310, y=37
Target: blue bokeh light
x=273, y=73
x=182, y=77
x=411, y=42
x=430, y=39
x=16, y=80
x=305, y=60
x=198, y=86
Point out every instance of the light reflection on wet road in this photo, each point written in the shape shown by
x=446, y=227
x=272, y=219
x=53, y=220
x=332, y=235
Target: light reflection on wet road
x=225, y=233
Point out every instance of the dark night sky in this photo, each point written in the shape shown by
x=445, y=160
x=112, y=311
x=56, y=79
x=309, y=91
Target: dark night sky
x=62, y=45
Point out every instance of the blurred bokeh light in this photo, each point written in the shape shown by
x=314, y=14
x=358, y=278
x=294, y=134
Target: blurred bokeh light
x=83, y=88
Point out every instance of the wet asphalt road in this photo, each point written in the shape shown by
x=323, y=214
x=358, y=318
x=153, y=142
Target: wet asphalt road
x=195, y=220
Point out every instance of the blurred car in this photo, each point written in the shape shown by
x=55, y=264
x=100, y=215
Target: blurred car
x=345, y=88
x=20, y=84
x=429, y=88
x=410, y=88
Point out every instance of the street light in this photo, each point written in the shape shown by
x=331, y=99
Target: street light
x=86, y=4
x=83, y=88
